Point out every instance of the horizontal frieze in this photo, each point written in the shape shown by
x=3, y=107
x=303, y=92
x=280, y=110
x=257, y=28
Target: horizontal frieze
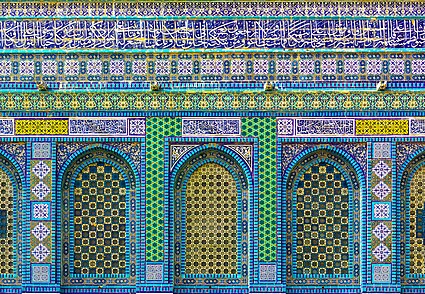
x=350, y=127
x=208, y=100
x=72, y=126
x=211, y=8
x=228, y=34
x=213, y=67
x=214, y=127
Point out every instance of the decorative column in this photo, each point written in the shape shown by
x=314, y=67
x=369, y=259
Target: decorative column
x=42, y=219
x=381, y=220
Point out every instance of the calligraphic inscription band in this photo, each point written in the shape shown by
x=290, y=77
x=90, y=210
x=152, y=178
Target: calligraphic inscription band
x=210, y=34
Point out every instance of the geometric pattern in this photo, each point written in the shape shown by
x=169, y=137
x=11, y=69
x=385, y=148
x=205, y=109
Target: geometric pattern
x=41, y=170
x=41, y=127
x=6, y=224
x=381, y=273
x=40, y=211
x=100, y=220
x=40, y=273
x=40, y=252
x=154, y=272
x=41, y=190
x=156, y=130
x=40, y=231
x=382, y=127
x=211, y=221
x=137, y=126
x=322, y=222
x=322, y=213
x=100, y=210
x=264, y=128
x=381, y=169
x=202, y=9
x=382, y=150
x=285, y=126
x=41, y=150
x=381, y=231
x=282, y=100
x=417, y=238
x=381, y=182
x=381, y=190
x=267, y=272
x=381, y=211
x=381, y=252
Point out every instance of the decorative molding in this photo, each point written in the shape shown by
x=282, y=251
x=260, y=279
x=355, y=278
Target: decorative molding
x=213, y=101
x=83, y=70
x=351, y=127
x=99, y=9
x=81, y=127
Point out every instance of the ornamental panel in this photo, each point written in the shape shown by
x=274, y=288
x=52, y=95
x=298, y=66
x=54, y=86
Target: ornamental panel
x=417, y=218
x=99, y=220
x=211, y=221
x=6, y=225
x=322, y=220
x=99, y=217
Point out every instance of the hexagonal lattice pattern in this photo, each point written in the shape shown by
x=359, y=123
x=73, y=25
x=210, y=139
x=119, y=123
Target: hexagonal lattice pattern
x=156, y=131
x=265, y=130
x=211, y=221
x=100, y=220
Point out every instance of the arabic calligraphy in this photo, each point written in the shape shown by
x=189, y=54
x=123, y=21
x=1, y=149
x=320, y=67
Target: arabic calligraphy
x=216, y=127
x=325, y=127
x=209, y=34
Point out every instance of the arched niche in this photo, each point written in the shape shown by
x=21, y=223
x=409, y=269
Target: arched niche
x=11, y=197
x=323, y=216
x=412, y=201
x=210, y=194
x=99, y=212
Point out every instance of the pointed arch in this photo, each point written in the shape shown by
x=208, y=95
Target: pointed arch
x=98, y=188
x=215, y=168
x=11, y=214
x=322, y=188
x=412, y=236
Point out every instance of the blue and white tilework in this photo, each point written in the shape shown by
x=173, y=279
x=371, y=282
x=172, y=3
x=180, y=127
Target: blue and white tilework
x=40, y=273
x=211, y=127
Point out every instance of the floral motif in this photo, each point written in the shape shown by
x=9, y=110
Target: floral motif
x=381, y=252
x=40, y=231
x=40, y=252
x=381, y=190
x=381, y=231
x=41, y=170
x=41, y=190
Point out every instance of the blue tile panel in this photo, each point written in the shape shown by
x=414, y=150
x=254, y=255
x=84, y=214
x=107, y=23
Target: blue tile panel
x=212, y=34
